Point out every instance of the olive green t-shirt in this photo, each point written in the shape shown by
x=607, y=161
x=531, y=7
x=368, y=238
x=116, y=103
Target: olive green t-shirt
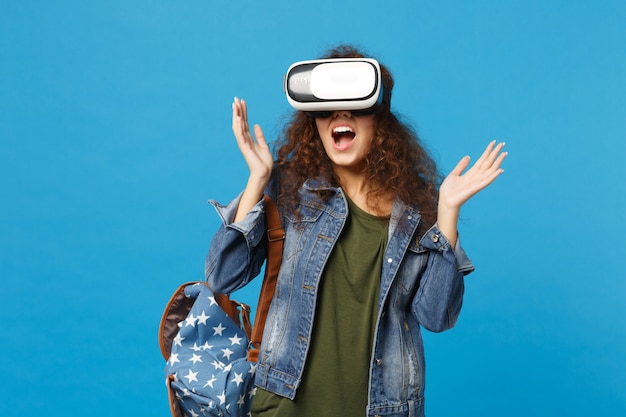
x=336, y=372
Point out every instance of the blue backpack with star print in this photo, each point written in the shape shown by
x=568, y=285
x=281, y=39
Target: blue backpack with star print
x=210, y=347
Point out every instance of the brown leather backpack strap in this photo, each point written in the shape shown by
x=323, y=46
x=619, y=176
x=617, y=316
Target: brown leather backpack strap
x=232, y=309
x=176, y=311
x=275, y=237
x=171, y=398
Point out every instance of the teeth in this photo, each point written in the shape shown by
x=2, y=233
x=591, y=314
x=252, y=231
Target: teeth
x=342, y=129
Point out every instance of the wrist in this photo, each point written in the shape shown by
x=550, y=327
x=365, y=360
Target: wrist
x=448, y=211
x=257, y=184
x=447, y=219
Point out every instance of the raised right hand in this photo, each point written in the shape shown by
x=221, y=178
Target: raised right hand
x=256, y=153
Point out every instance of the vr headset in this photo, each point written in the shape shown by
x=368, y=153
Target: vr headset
x=320, y=87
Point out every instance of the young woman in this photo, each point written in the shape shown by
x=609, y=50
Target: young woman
x=371, y=255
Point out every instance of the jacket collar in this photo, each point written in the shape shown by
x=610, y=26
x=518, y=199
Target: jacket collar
x=399, y=210
x=318, y=184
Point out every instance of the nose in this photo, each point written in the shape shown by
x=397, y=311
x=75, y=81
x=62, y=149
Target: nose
x=342, y=113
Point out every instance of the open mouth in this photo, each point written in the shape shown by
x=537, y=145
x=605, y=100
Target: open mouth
x=343, y=136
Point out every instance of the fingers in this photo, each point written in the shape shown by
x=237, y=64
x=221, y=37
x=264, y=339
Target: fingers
x=244, y=115
x=461, y=166
x=458, y=187
x=495, y=154
x=491, y=157
x=487, y=151
x=491, y=162
x=498, y=162
x=240, y=125
x=240, y=116
x=237, y=112
x=260, y=137
x=256, y=153
x=486, y=169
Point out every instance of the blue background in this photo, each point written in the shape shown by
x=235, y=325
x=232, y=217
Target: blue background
x=115, y=130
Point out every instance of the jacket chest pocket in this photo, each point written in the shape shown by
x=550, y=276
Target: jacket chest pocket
x=299, y=227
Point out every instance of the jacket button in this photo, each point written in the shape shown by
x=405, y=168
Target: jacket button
x=379, y=362
x=434, y=238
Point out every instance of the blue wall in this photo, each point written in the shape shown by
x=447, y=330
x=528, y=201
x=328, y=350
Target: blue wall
x=115, y=130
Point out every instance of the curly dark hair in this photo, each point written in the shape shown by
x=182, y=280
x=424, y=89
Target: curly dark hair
x=397, y=161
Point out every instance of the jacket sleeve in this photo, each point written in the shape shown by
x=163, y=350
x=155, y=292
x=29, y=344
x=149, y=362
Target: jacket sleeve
x=440, y=295
x=237, y=250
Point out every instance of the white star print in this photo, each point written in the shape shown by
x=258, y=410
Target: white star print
x=191, y=376
x=202, y=318
x=227, y=353
x=235, y=340
x=210, y=382
x=238, y=379
x=190, y=321
x=173, y=358
x=219, y=329
x=178, y=340
x=252, y=368
x=189, y=350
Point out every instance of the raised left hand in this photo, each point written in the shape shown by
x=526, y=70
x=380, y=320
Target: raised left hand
x=459, y=187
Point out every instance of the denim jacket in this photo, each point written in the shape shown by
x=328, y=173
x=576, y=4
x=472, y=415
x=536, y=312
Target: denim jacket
x=421, y=286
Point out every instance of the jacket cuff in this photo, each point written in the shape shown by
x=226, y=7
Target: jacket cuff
x=252, y=227
x=434, y=239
